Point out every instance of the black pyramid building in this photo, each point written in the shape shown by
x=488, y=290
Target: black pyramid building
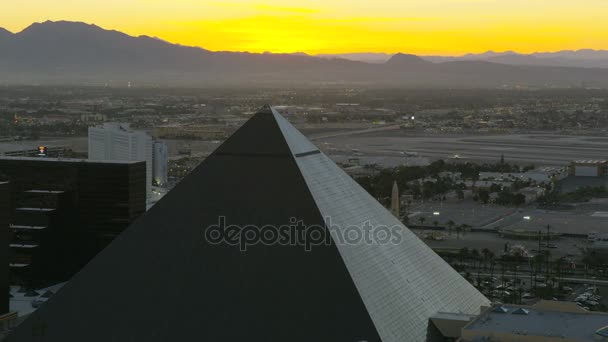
x=166, y=279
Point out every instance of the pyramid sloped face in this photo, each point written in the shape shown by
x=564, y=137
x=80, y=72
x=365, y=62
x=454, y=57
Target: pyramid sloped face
x=163, y=281
x=402, y=282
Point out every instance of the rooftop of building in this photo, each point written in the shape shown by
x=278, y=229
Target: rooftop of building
x=24, y=302
x=538, y=174
x=545, y=319
x=116, y=127
x=123, y=126
x=591, y=161
x=450, y=324
x=69, y=160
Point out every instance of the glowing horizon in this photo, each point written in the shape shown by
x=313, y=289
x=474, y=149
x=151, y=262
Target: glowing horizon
x=422, y=27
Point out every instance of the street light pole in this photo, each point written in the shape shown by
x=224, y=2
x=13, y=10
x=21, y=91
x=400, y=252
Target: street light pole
x=548, y=239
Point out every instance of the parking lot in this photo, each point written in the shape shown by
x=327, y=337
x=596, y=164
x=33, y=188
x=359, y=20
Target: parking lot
x=468, y=212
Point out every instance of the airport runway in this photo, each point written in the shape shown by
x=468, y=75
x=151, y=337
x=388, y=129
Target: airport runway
x=538, y=149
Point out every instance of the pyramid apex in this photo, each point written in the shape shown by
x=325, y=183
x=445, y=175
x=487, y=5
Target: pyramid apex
x=266, y=109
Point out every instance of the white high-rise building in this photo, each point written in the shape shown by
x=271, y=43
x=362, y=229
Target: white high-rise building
x=116, y=141
x=160, y=160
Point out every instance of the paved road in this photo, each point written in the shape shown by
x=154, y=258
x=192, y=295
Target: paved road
x=526, y=274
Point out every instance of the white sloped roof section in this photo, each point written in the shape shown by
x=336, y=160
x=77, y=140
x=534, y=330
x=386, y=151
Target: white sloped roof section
x=402, y=284
x=297, y=142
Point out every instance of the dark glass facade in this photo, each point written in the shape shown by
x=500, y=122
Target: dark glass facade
x=65, y=211
x=4, y=238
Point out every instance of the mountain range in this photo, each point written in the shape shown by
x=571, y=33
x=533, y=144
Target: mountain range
x=77, y=53
x=586, y=58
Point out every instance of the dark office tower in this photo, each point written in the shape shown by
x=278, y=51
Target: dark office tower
x=64, y=211
x=171, y=277
x=4, y=241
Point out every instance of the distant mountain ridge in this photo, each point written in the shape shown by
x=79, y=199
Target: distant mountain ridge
x=404, y=60
x=367, y=57
x=77, y=53
x=585, y=58
x=4, y=34
x=59, y=45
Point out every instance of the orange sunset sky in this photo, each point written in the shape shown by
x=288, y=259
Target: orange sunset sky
x=438, y=27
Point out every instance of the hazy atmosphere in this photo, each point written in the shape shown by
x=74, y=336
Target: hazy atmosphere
x=297, y=171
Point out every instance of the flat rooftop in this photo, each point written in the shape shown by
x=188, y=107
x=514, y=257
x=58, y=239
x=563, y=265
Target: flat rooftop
x=25, y=305
x=69, y=160
x=555, y=319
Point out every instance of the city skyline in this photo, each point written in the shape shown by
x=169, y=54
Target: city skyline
x=431, y=27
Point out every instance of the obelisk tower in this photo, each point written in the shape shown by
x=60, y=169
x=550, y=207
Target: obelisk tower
x=395, y=200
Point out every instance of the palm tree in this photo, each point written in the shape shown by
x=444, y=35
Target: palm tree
x=492, y=263
x=421, y=219
x=475, y=254
x=465, y=228
x=476, y=259
x=503, y=279
x=548, y=260
x=475, y=178
x=459, y=230
x=463, y=253
x=450, y=224
x=538, y=260
x=559, y=265
x=485, y=253
x=519, y=292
